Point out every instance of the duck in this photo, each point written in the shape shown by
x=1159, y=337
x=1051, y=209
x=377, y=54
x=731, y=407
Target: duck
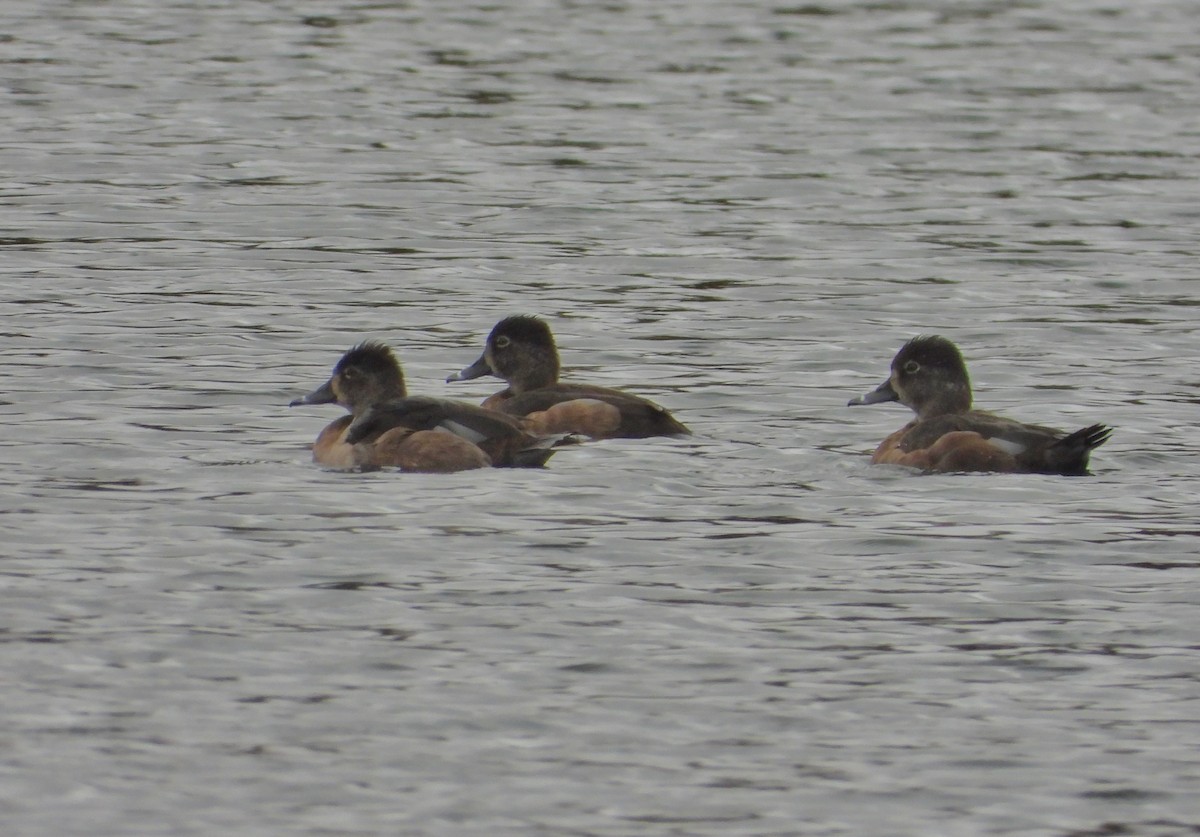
x=929, y=376
x=521, y=350
x=446, y=437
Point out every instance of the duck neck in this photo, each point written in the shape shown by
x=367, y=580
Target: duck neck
x=949, y=398
x=384, y=390
x=539, y=373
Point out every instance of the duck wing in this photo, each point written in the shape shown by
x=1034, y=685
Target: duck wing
x=1034, y=447
x=419, y=412
x=640, y=417
x=497, y=434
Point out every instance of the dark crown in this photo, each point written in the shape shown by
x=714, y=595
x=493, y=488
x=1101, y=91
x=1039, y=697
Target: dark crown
x=931, y=350
x=370, y=356
x=523, y=328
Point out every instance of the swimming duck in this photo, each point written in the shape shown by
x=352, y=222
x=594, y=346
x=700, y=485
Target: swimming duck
x=929, y=376
x=447, y=436
x=521, y=350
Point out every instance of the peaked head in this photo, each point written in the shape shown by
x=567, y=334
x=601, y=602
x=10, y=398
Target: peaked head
x=928, y=376
x=520, y=350
x=365, y=375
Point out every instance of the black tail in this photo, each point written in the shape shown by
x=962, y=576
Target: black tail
x=539, y=450
x=1069, y=455
x=527, y=458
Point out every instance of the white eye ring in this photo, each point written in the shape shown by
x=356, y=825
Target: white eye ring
x=912, y=367
x=502, y=342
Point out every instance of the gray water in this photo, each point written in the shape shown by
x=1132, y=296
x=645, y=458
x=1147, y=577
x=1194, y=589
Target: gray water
x=740, y=210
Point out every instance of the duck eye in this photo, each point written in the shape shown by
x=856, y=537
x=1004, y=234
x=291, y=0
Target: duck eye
x=502, y=342
x=912, y=367
x=350, y=373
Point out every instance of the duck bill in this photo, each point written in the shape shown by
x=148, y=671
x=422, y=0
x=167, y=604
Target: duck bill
x=321, y=395
x=476, y=370
x=881, y=394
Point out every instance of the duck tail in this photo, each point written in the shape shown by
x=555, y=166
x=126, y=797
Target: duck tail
x=1069, y=455
x=541, y=448
x=676, y=428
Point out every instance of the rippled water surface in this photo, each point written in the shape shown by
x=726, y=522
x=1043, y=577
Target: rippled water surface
x=740, y=210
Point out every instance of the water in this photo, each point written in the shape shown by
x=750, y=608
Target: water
x=740, y=210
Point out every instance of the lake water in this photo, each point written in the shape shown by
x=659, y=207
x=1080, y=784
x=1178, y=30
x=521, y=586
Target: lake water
x=739, y=209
